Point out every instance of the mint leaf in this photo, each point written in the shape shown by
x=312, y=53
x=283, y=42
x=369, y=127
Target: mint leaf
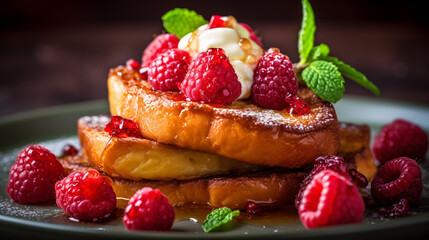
x=219, y=217
x=306, y=33
x=353, y=74
x=319, y=52
x=181, y=21
x=325, y=80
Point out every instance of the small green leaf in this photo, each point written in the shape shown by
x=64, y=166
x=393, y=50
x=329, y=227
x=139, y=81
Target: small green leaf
x=181, y=21
x=325, y=80
x=219, y=217
x=306, y=33
x=353, y=74
x=319, y=52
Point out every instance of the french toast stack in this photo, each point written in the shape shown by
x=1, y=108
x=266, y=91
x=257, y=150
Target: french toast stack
x=220, y=120
x=216, y=155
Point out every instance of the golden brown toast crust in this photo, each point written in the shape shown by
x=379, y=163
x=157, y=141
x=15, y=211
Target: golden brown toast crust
x=240, y=131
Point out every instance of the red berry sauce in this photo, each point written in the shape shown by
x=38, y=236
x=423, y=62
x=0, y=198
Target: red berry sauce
x=69, y=150
x=297, y=105
x=121, y=128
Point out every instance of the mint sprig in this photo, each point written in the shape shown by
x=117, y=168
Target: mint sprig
x=325, y=80
x=306, y=33
x=321, y=72
x=181, y=21
x=218, y=218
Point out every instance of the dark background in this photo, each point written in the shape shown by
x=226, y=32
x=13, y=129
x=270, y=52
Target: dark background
x=55, y=52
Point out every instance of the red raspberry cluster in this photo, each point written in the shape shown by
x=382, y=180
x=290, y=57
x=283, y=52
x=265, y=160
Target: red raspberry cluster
x=37, y=176
x=210, y=78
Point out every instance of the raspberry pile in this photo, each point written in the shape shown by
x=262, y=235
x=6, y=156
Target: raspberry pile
x=33, y=175
x=274, y=80
x=86, y=195
x=400, y=139
x=330, y=199
x=149, y=209
x=168, y=69
x=211, y=79
x=121, y=128
x=397, y=179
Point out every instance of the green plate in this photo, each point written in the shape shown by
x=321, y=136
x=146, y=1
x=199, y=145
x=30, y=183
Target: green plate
x=56, y=126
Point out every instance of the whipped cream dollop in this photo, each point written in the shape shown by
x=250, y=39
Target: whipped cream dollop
x=242, y=52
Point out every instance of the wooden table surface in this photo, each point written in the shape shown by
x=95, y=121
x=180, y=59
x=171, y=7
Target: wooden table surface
x=43, y=66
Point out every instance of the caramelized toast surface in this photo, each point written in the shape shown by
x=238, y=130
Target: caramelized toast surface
x=241, y=131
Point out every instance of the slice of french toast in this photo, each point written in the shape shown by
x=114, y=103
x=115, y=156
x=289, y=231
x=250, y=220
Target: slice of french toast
x=268, y=188
x=140, y=158
x=240, y=131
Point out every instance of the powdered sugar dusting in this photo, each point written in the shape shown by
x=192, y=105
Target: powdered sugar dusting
x=320, y=115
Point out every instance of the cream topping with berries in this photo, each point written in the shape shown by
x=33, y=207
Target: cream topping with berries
x=243, y=53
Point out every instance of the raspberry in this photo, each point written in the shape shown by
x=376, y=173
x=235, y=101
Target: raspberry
x=149, y=209
x=274, y=79
x=33, y=175
x=211, y=79
x=330, y=199
x=86, y=195
x=297, y=105
x=160, y=44
x=253, y=209
x=69, y=150
x=252, y=34
x=334, y=163
x=168, y=69
x=133, y=64
x=396, y=179
x=398, y=209
x=121, y=128
x=358, y=178
x=400, y=139
x=216, y=21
